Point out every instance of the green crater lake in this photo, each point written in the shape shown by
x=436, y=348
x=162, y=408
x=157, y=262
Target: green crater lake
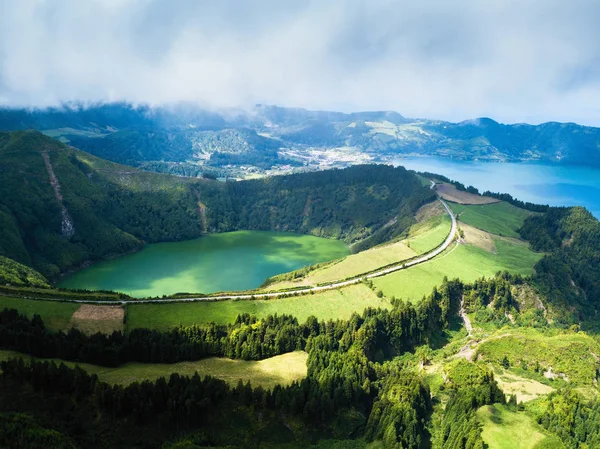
x=230, y=261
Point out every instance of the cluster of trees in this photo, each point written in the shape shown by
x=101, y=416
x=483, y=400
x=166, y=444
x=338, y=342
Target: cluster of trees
x=575, y=420
x=350, y=204
x=24, y=432
x=247, y=339
x=569, y=275
x=14, y=273
x=515, y=202
x=470, y=386
x=400, y=423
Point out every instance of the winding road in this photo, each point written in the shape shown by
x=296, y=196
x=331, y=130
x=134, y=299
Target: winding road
x=400, y=266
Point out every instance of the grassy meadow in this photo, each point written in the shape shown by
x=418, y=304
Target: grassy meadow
x=282, y=369
x=466, y=262
x=56, y=315
x=502, y=218
x=425, y=236
x=506, y=429
x=330, y=304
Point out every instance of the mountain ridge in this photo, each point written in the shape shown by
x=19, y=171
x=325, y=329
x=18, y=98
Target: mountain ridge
x=176, y=138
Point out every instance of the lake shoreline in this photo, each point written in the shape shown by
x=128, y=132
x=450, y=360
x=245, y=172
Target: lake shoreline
x=202, y=264
x=537, y=182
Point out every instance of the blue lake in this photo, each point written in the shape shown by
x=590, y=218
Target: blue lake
x=538, y=183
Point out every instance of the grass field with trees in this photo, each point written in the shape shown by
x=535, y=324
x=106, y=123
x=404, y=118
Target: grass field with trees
x=56, y=315
x=510, y=429
x=279, y=370
x=422, y=237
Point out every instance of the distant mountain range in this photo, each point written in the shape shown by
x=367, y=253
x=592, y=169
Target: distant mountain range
x=188, y=140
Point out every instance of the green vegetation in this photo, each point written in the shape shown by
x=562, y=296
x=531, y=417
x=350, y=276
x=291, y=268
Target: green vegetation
x=279, y=370
x=508, y=429
x=569, y=275
x=347, y=367
x=422, y=237
x=569, y=356
x=574, y=419
x=56, y=315
x=468, y=386
x=14, y=273
x=329, y=304
x=344, y=374
x=465, y=262
x=425, y=236
x=387, y=376
x=24, y=432
x=502, y=218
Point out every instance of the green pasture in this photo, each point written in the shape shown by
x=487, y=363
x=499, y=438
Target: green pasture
x=466, y=262
x=506, y=429
x=497, y=218
x=330, y=304
x=56, y=315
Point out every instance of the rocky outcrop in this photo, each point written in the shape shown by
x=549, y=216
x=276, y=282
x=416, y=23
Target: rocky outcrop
x=67, y=228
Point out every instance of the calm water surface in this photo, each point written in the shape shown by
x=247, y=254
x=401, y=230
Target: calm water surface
x=538, y=183
x=230, y=261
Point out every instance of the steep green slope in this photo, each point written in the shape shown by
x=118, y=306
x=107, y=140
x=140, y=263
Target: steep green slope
x=16, y=274
x=59, y=211
x=570, y=274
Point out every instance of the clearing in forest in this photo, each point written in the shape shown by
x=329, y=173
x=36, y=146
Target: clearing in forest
x=570, y=357
x=92, y=319
x=525, y=389
x=279, y=370
x=506, y=429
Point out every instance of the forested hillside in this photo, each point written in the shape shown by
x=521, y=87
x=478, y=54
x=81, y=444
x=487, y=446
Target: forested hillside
x=569, y=275
x=60, y=207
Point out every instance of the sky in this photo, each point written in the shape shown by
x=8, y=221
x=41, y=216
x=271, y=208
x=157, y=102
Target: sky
x=515, y=61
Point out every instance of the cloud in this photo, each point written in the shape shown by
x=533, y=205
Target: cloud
x=512, y=60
